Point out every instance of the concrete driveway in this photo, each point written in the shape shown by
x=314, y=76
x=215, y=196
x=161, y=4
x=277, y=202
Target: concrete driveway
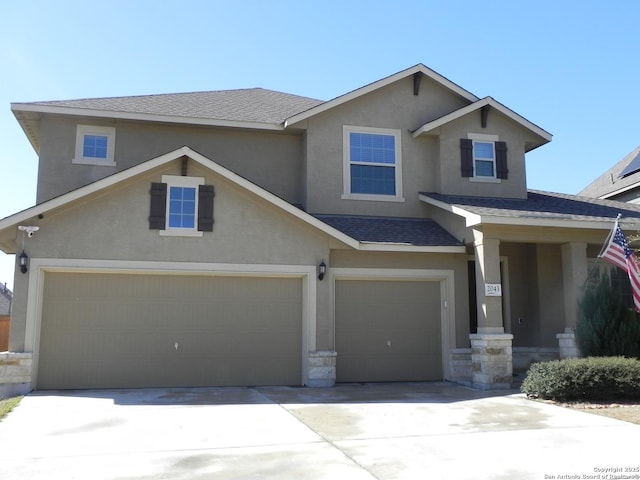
x=370, y=431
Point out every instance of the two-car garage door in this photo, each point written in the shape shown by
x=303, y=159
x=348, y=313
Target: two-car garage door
x=103, y=330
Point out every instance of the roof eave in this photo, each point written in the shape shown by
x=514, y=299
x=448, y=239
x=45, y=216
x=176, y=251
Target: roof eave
x=474, y=219
x=403, y=247
x=619, y=191
x=148, y=117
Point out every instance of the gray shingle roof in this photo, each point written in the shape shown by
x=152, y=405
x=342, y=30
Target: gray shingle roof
x=405, y=231
x=610, y=180
x=243, y=105
x=543, y=205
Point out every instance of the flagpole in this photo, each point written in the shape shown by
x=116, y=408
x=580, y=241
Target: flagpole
x=608, y=239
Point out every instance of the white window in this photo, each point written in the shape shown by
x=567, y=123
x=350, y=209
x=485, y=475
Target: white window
x=95, y=145
x=182, y=205
x=484, y=157
x=372, y=164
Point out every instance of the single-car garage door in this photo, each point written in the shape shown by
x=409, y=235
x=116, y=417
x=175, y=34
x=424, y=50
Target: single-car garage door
x=388, y=331
x=138, y=330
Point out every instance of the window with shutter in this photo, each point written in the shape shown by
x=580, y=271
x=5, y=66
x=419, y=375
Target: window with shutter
x=181, y=206
x=483, y=158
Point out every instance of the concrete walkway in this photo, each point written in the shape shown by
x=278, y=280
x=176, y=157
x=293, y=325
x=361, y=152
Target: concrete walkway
x=372, y=431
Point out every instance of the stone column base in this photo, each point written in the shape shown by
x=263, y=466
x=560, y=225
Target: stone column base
x=321, y=369
x=491, y=360
x=567, y=344
x=15, y=373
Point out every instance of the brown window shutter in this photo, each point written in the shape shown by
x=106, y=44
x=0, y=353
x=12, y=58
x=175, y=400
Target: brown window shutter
x=466, y=157
x=502, y=171
x=206, y=194
x=158, y=209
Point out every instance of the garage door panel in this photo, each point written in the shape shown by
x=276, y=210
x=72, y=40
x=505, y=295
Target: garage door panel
x=388, y=330
x=113, y=330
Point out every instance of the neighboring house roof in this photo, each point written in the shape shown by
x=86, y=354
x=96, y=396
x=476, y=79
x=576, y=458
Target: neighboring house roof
x=5, y=300
x=389, y=230
x=8, y=224
x=621, y=177
x=432, y=127
x=538, y=209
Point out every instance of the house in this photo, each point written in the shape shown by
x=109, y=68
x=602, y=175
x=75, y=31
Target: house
x=5, y=315
x=252, y=237
x=621, y=182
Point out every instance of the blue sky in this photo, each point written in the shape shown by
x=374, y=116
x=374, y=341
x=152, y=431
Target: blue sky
x=572, y=71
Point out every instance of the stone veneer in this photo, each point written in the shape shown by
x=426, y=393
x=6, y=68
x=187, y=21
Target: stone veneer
x=491, y=360
x=523, y=357
x=460, y=365
x=321, y=369
x=15, y=373
x=567, y=344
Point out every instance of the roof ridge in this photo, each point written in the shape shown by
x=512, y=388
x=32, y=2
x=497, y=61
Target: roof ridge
x=171, y=94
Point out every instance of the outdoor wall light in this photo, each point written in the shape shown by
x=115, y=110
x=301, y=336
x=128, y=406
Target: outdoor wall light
x=23, y=260
x=322, y=270
x=29, y=231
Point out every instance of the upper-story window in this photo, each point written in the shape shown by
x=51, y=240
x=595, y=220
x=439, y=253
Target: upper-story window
x=484, y=158
x=372, y=164
x=181, y=206
x=95, y=145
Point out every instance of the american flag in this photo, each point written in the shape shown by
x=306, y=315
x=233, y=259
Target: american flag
x=619, y=253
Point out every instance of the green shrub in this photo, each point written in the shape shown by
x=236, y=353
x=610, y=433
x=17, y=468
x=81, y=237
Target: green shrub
x=593, y=378
x=607, y=325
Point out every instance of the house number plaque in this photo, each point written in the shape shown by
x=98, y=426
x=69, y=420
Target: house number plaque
x=493, y=289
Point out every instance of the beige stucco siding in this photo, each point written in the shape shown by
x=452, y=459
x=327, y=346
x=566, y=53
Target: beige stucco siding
x=272, y=160
x=391, y=107
x=113, y=225
x=116, y=331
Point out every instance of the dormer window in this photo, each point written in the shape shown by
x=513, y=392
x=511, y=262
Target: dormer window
x=372, y=164
x=95, y=145
x=483, y=158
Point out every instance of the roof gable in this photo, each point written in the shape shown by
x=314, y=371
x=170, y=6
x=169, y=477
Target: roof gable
x=12, y=221
x=419, y=69
x=9, y=224
x=431, y=127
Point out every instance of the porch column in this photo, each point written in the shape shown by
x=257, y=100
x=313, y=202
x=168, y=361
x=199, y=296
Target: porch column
x=574, y=274
x=491, y=354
